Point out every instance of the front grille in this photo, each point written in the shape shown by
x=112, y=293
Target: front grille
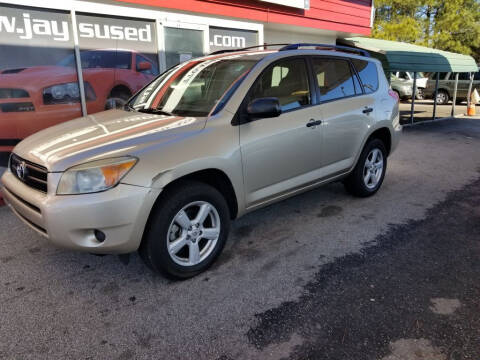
x=11, y=93
x=29, y=173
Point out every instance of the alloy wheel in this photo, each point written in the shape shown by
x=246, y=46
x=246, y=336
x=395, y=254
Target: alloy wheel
x=373, y=168
x=193, y=233
x=441, y=98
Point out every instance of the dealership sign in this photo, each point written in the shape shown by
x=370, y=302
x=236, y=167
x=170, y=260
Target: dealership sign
x=27, y=27
x=113, y=32
x=225, y=38
x=38, y=26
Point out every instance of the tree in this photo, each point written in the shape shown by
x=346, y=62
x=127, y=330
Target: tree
x=452, y=25
x=397, y=20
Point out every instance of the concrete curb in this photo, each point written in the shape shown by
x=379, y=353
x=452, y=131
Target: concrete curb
x=458, y=117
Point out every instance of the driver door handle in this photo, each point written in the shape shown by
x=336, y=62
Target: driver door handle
x=367, y=110
x=313, y=123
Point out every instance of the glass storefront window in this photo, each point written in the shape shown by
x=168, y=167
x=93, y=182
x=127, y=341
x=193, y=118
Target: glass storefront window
x=118, y=57
x=39, y=84
x=36, y=89
x=182, y=45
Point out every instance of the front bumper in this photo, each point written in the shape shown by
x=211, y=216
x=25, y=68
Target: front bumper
x=69, y=221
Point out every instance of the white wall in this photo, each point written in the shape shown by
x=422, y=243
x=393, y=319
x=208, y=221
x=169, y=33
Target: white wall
x=274, y=36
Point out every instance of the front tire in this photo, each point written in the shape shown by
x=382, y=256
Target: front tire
x=367, y=176
x=187, y=230
x=117, y=99
x=420, y=94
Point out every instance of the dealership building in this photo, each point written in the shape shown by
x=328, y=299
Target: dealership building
x=65, y=58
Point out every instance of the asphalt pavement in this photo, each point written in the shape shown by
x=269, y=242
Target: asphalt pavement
x=318, y=276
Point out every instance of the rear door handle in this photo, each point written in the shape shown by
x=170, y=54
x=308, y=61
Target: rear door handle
x=367, y=110
x=313, y=123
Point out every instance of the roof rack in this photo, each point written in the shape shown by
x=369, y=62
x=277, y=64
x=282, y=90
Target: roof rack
x=327, y=47
x=286, y=47
x=265, y=46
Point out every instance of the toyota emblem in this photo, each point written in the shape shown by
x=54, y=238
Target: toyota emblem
x=22, y=170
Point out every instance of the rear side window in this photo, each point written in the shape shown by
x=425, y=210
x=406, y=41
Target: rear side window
x=476, y=76
x=368, y=74
x=334, y=78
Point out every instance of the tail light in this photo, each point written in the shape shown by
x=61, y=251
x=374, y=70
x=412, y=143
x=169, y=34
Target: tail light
x=394, y=95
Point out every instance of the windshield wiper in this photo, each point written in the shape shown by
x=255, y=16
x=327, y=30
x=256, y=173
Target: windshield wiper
x=129, y=107
x=154, y=111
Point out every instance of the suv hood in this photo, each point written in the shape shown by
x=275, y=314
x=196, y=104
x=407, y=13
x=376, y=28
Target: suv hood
x=107, y=134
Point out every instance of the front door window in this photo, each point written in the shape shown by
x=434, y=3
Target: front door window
x=286, y=80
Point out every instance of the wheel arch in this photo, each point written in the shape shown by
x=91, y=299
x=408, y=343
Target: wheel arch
x=214, y=177
x=120, y=88
x=443, y=89
x=384, y=135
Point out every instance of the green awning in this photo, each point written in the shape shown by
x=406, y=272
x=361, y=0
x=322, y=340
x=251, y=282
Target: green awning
x=399, y=56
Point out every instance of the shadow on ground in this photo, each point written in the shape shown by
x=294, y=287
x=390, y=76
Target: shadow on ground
x=365, y=305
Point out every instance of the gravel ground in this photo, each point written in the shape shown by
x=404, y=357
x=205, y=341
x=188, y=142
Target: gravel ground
x=286, y=271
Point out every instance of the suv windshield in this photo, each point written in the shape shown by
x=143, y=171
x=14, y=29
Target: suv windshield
x=193, y=88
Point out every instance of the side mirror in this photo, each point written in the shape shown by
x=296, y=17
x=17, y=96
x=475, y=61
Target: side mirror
x=262, y=108
x=143, y=66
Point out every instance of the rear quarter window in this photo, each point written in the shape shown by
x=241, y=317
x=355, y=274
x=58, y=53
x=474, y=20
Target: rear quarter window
x=367, y=70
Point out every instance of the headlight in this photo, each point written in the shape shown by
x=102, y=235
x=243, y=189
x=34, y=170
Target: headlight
x=95, y=176
x=66, y=93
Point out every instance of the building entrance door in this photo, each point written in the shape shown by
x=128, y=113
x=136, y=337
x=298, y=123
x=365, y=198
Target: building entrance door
x=183, y=42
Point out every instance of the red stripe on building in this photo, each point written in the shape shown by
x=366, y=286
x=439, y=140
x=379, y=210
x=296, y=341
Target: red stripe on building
x=336, y=15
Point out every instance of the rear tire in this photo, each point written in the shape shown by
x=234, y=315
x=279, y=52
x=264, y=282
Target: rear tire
x=367, y=176
x=442, y=97
x=186, y=231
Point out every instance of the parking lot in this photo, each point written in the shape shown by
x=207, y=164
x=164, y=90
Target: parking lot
x=320, y=275
x=424, y=110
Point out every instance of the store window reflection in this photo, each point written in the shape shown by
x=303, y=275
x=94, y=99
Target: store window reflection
x=36, y=89
x=118, y=57
x=182, y=45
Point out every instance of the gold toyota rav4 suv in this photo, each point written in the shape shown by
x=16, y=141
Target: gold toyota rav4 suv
x=204, y=143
